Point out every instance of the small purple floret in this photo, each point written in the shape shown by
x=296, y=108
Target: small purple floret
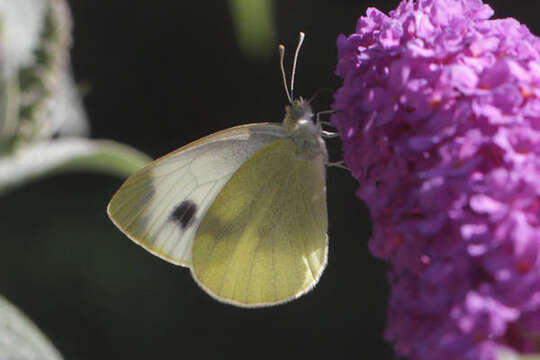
x=440, y=118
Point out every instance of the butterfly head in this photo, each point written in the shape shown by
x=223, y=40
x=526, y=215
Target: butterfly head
x=298, y=112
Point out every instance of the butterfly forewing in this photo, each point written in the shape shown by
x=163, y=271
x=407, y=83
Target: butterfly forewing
x=263, y=241
x=160, y=207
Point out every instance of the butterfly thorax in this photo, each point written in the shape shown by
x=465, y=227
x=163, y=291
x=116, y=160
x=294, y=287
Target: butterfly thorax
x=303, y=131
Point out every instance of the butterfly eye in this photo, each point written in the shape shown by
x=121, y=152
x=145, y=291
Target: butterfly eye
x=297, y=112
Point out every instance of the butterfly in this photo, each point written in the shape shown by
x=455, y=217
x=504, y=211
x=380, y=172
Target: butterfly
x=244, y=208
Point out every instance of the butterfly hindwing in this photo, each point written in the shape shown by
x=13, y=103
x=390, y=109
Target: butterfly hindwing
x=263, y=241
x=160, y=207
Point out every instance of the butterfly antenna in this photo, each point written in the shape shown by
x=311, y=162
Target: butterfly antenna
x=281, y=60
x=319, y=92
x=300, y=42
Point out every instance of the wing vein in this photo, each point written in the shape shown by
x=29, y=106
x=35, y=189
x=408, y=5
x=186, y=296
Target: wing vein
x=307, y=210
x=271, y=200
x=240, y=215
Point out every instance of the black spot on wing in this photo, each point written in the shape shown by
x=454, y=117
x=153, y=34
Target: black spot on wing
x=184, y=213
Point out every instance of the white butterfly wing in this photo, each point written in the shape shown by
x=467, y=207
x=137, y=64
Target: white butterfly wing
x=161, y=206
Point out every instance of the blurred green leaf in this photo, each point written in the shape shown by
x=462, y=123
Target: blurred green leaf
x=68, y=154
x=20, y=339
x=38, y=98
x=254, y=26
x=9, y=112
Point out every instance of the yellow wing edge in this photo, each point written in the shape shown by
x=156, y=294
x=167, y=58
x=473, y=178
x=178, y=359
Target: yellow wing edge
x=300, y=293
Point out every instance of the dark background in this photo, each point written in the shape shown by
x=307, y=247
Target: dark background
x=161, y=74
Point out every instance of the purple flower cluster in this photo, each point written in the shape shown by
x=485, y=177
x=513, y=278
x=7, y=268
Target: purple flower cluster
x=440, y=118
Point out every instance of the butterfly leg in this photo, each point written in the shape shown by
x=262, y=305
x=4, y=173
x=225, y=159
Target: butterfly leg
x=339, y=164
x=326, y=112
x=329, y=134
x=324, y=133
